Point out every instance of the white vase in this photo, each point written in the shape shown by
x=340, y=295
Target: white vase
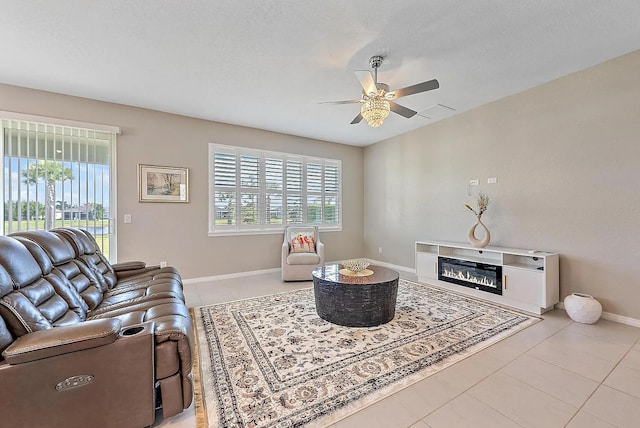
x=479, y=243
x=582, y=308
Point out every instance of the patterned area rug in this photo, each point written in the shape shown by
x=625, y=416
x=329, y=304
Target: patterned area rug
x=272, y=362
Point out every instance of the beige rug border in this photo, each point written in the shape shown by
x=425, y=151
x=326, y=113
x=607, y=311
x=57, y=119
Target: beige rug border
x=203, y=414
x=198, y=389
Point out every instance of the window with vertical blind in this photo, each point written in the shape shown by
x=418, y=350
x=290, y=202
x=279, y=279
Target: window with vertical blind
x=56, y=176
x=257, y=191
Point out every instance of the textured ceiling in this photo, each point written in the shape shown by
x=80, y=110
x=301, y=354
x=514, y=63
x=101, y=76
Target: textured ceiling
x=268, y=64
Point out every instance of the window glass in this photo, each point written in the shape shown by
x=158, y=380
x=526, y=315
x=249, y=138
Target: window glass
x=57, y=176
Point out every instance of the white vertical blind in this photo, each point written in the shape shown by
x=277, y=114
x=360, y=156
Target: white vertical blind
x=54, y=176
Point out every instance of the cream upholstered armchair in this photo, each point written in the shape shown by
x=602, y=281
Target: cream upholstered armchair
x=302, y=252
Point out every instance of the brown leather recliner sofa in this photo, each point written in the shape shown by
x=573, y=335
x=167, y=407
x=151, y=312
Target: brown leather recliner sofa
x=86, y=343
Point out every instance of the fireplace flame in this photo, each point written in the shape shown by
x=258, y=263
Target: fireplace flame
x=482, y=280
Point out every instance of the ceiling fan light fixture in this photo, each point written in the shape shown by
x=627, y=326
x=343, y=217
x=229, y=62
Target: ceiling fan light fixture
x=375, y=111
x=377, y=100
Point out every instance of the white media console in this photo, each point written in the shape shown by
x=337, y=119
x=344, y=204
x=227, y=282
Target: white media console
x=522, y=279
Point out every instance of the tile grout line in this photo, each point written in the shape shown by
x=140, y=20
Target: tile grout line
x=579, y=408
x=487, y=376
x=601, y=383
x=506, y=364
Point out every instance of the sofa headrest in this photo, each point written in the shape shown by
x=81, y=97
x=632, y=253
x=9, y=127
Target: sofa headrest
x=78, y=239
x=18, y=262
x=37, y=252
x=59, y=250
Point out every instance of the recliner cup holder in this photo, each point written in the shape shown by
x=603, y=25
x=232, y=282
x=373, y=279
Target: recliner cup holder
x=131, y=331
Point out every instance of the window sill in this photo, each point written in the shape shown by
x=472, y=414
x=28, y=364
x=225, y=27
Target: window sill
x=270, y=232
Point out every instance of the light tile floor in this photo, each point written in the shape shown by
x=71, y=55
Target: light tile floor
x=556, y=373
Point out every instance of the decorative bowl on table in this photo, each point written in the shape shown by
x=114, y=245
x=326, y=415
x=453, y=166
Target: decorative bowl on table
x=356, y=265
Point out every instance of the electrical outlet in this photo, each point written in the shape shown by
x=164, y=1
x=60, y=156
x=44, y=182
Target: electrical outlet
x=127, y=218
x=492, y=180
x=379, y=250
x=163, y=264
x=474, y=182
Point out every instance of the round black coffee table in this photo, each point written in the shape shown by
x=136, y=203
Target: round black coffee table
x=355, y=301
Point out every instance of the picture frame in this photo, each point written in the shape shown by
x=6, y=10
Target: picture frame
x=163, y=183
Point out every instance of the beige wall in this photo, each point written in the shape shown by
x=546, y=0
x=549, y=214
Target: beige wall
x=177, y=233
x=567, y=159
x=566, y=154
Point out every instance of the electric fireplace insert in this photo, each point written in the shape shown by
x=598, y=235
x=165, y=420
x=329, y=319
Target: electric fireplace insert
x=481, y=276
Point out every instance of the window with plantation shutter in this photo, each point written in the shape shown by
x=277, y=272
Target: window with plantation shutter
x=273, y=187
x=314, y=193
x=249, y=190
x=294, y=192
x=331, y=194
x=257, y=191
x=224, y=194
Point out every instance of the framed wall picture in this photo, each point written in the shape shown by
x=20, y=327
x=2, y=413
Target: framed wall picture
x=163, y=184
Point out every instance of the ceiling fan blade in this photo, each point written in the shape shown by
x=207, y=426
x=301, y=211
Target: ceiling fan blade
x=367, y=82
x=414, y=89
x=402, y=110
x=357, y=119
x=341, y=102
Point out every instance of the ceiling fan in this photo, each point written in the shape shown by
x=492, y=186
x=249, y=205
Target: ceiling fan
x=377, y=99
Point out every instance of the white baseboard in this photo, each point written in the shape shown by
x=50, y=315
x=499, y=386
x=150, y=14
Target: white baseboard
x=634, y=322
x=392, y=266
x=191, y=281
x=621, y=319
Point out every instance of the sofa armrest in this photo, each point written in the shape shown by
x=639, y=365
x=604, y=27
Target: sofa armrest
x=320, y=251
x=173, y=332
x=125, y=266
x=285, y=252
x=108, y=386
x=128, y=270
x=62, y=340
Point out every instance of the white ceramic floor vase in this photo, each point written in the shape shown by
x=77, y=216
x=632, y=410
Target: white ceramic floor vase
x=479, y=243
x=582, y=308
